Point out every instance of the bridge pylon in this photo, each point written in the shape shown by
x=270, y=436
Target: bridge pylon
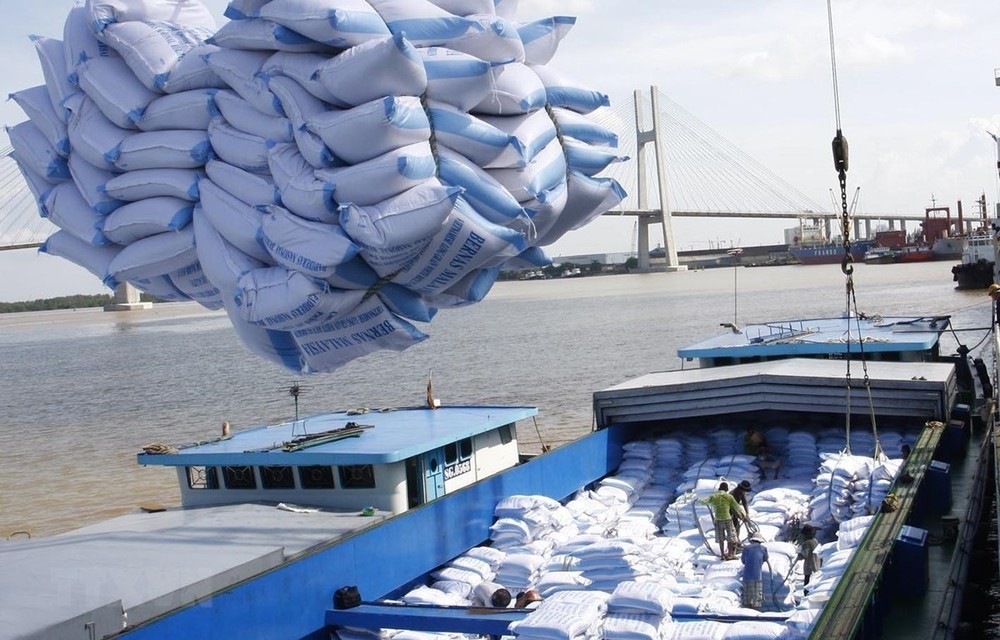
x=645, y=137
x=126, y=298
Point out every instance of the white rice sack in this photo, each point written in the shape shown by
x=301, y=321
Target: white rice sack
x=192, y=109
x=477, y=565
x=423, y=23
x=455, y=78
x=562, y=92
x=37, y=105
x=66, y=208
x=454, y=587
x=300, y=190
x=386, y=67
x=514, y=88
x=251, y=188
x=370, y=327
x=34, y=151
x=193, y=71
x=465, y=242
x=372, y=129
x=488, y=554
x=465, y=7
x=514, y=505
x=695, y=630
x=92, y=182
x=552, y=582
x=300, y=105
x=533, y=131
x=487, y=196
x=313, y=248
x=392, y=233
x=754, y=630
x=587, y=159
x=192, y=282
x=149, y=183
x=479, y=141
x=276, y=298
x=541, y=38
x=161, y=287
x=563, y=622
x=276, y=346
x=91, y=134
x=641, y=597
x=586, y=199
x=152, y=48
x=238, y=148
x=354, y=274
x=427, y=595
x=79, y=42
x=223, y=263
x=506, y=8
x=241, y=115
x=38, y=185
x=52, y=58
x=83, y=254
x=632, y=626
x=374, y=181
x=116, y=92
x=153, y=256
x=337, y=23
x=496, y=40
x=185, y=12
x=240, y=70
x=545, y=172
x=238, y=222
x=257, y=34
x=244, y=9
x=303, y=68
x=180, y=149
x=146, y=218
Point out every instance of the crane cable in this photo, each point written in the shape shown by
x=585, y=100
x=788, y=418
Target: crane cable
x=840, y=164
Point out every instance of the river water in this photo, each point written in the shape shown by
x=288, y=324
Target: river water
x=81, y=391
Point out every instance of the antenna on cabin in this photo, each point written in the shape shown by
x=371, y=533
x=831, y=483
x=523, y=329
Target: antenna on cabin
x=294, y=391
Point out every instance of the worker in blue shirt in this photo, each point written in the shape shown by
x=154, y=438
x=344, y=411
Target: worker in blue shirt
x=753, y=557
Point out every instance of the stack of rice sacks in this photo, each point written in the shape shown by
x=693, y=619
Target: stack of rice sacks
x=566, y=615
x=638, y=611
x=527, y=528
x=328, y=171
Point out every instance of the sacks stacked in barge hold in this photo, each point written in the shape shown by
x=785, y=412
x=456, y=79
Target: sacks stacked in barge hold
x=633, y=556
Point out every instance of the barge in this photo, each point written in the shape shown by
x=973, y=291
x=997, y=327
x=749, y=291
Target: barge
x=276, y=520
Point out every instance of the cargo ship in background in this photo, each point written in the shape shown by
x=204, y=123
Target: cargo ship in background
x=809, y=245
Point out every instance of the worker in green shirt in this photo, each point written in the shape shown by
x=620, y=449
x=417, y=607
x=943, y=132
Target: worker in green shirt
x=724, y=505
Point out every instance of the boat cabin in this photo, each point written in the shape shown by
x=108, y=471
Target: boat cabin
x=896, y=339
x=385, y=460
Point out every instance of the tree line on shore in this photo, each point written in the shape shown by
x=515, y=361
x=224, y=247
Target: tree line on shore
x=62, y=302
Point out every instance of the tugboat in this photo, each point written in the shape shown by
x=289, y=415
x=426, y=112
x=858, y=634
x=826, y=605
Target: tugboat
x=976, y=268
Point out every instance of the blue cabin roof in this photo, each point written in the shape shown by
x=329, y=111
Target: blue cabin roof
x=385, y=437
x=822, y=336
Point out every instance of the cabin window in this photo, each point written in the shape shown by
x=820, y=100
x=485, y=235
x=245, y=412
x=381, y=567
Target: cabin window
x=277, y=478
x=202, y=478
x=357, y=476
x=316, y=477
x=239, y=477
x=505, y=434
x=451, y=453
x=465, y=449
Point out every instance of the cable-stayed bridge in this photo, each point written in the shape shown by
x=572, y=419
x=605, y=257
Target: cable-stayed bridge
x=679, y=167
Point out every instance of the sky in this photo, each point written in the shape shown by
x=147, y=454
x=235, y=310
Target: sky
x=915, y=79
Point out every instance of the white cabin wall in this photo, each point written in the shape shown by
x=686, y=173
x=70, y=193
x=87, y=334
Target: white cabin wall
x=491, y=455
